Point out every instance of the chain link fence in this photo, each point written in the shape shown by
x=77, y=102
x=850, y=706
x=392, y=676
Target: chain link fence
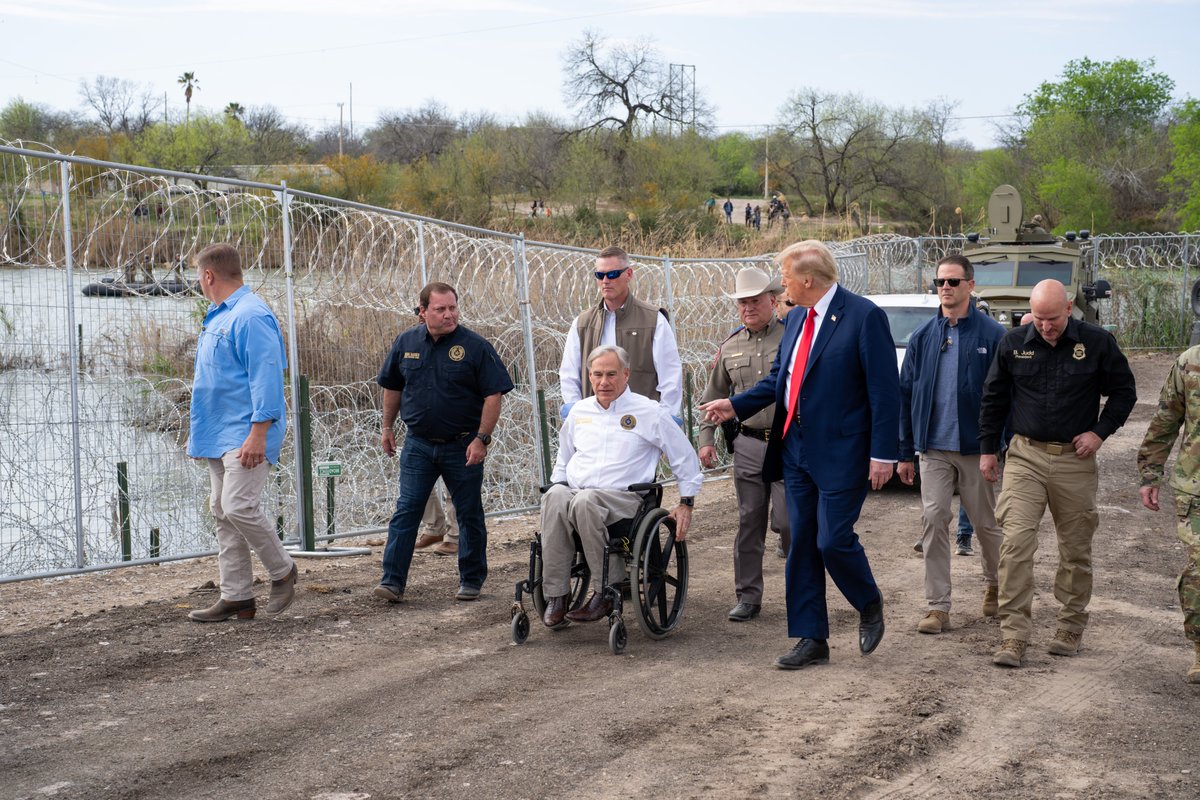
x=99, y=322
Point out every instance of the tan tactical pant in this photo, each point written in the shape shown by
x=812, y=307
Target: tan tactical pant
x=1033, y=480
x=941, y=472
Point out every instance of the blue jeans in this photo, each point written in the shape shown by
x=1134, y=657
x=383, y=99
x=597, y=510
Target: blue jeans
x=965, y=528
x=421, y=462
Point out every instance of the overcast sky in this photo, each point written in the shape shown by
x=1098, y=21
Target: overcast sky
x=505, y=56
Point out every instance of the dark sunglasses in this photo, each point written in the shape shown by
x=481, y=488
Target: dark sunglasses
x=940, y=282
x=612, y=274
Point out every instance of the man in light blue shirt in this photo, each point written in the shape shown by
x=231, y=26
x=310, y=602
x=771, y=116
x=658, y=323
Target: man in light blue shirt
x=238, y=421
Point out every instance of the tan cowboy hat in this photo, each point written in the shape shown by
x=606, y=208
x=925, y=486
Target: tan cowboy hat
x=751, y=282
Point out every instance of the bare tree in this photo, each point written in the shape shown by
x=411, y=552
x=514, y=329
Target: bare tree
x=406, y=136
x=842, y=148
x=273, y=140
x=619, y=87
x=121, y=106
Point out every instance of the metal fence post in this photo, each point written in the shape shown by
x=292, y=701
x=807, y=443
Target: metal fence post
x=421, y=251
x=285, y=203
x=75, y=355
x=669, y=290
x=521, y=267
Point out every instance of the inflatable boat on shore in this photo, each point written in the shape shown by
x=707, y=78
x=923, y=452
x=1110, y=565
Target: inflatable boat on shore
x=110, y=287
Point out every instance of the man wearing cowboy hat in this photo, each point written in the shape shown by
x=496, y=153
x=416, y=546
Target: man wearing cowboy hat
x=743, y=360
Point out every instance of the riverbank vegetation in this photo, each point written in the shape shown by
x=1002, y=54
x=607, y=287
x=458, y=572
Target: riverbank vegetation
x=1103, y=145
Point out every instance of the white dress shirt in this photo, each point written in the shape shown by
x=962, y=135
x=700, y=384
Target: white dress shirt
x=614, y=447
x=666, y=362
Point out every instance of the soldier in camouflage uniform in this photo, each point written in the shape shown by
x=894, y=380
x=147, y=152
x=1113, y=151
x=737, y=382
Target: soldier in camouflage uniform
x=1179, y=404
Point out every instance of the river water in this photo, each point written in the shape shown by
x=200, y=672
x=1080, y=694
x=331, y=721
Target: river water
x=123, y=417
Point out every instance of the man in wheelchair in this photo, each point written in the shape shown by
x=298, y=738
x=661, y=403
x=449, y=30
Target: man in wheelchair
x=609, y=442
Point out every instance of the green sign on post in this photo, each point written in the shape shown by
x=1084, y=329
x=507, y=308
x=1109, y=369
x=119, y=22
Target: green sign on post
x=329, y=469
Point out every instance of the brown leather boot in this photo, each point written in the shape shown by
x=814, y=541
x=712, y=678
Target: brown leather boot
x=556, y=611
x=283, y=591
x=598, y=606
x=224, y=609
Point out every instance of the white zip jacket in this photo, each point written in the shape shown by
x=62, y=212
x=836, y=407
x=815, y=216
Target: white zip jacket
x=613, y=448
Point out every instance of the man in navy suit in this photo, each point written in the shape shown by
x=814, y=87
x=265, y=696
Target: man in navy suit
x=835, y=433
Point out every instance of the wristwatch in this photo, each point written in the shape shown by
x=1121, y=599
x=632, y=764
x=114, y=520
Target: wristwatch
x=486, y=438
x=690, y=502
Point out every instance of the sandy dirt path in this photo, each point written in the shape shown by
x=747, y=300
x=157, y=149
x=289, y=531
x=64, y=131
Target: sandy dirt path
x=107, y=691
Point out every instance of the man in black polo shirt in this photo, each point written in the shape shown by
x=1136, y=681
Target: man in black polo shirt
x=445, y=382
x=1050, y=375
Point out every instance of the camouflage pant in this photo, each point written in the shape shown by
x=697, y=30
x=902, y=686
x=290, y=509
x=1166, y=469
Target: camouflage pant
x=1188, y=511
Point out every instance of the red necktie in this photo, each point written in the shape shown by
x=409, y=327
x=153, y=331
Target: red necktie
x=798, y=367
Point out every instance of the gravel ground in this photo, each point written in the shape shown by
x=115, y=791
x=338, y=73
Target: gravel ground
x=108, y=691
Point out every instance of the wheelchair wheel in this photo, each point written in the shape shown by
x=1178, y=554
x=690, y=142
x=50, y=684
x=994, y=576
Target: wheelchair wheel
x=520, y=627
x=660, y=571
x=618, y=637
x=581, y=577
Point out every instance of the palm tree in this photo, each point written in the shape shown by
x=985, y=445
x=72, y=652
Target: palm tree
x=189, y=83
x=235, y=111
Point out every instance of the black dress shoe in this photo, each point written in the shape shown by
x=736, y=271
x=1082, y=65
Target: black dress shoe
x=744, y=612
x=805, y=653
x=870, y=627
x=556, y=612
x=598, y=606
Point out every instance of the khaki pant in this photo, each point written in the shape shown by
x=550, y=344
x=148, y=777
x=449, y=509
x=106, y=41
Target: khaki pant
x=941, y=472
x=753, y=497
x=587, y=512
x=1033, y=480
x=242, y=525
x=439, y=518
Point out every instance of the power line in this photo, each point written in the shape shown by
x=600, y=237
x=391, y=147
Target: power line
x=381, y=43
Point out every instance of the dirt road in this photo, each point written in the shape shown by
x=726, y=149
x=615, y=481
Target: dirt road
x=107, y=691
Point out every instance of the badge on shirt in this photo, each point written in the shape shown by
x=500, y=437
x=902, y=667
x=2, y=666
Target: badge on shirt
x=412, y=355
x=1080, y=352
x=629, y=422
x=1023, y=355
x=457, y=353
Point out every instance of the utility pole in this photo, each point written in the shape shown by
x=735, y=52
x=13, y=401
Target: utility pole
x=351, y=109
x=767, y=166
x=341, y=126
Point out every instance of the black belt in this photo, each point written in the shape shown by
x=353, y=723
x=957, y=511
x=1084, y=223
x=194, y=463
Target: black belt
x=437, y=440
x=754, y=433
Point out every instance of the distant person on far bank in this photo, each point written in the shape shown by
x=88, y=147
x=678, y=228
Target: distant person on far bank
x=238, y=420
x=1050, y=376
x=728, y=209
x=640, y=329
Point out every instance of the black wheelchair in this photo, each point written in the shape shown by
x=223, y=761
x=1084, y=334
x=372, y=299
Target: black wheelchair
x=657, y=566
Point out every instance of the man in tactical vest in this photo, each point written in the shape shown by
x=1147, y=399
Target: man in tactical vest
x=641, y=329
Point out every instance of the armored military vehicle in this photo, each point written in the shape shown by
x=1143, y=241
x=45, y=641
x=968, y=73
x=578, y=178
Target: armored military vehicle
x=1016, y=255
